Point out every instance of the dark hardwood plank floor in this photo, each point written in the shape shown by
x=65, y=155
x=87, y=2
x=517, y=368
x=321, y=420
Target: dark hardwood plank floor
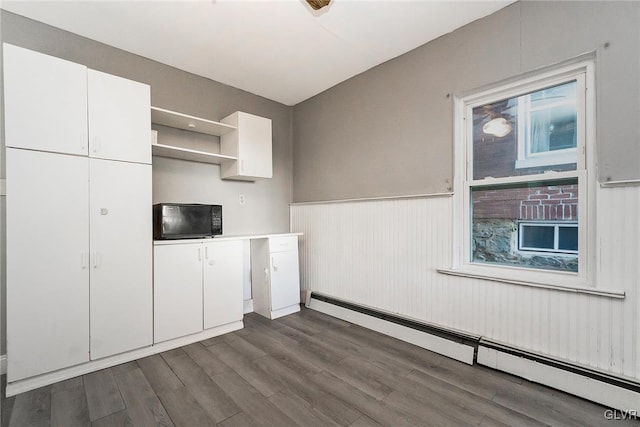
x=306, y=369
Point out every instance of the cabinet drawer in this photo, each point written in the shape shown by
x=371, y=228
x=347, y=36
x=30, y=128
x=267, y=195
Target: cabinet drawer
x=283, y=244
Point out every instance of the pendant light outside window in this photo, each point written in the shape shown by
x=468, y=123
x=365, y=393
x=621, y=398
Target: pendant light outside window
x=497, y=127
x=318, y=4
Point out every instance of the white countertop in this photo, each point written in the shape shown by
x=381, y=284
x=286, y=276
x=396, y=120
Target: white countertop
x=223, y=237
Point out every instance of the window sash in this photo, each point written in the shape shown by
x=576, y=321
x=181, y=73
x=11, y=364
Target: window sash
x=467, y=226
x=496, y=95
x=526, y=158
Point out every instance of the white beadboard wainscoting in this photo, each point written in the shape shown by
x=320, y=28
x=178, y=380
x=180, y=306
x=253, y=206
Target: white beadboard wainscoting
x=384, y=254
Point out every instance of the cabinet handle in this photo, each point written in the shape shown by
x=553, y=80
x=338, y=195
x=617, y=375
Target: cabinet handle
x=95, y=144
x=83, y=260
x=83, y=141
x=241, y=165
x=96, y=262
x=199, y=254
x=273, y=263
x=206, y=252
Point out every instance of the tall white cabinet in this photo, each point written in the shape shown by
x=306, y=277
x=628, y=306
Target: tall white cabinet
x=79, y=265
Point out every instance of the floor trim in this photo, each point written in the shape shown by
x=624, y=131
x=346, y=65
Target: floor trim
x=595, y=385
x=589, y=384
x=449, y=343
x=247, y=306
x=32, y=383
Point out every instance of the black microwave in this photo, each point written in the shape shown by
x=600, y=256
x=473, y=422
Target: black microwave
x=186, y=221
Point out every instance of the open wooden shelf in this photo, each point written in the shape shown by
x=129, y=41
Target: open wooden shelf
x=173, y=119
x=187, y=154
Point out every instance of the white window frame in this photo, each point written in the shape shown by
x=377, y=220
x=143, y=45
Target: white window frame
x=527, y=159
x=581, y=70
x=556, y=236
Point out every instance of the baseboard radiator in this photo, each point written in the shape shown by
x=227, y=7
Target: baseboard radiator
x=601, y=387
x=454, y=344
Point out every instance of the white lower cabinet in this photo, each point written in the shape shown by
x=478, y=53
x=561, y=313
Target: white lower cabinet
x=196, y=286
x=78, y=260
x=177, y=291
x=222, y=283
x=47, y=262
x=120, y=235
x=275, y=276
x=285, y=280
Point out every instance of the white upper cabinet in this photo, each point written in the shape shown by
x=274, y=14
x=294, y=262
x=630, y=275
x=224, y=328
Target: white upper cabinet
x=45, y=102
x=119, y=118
x=62, y=107
x=250, y=144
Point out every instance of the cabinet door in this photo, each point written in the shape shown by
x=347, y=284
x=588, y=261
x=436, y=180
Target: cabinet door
x=285, y=280
x=251, y=144
x=177, y=291
x=121, y=257
x=47, y=265
x=222, y=283
x=254, y=151
x=45, y=102
x=119, y=118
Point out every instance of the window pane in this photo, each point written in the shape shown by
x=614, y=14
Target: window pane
x=536, y=236
x=553, y=129
x=527, y=134
x=497, y=212
x=568, y=238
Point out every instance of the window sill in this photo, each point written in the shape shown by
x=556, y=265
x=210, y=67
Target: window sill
x=609, y=293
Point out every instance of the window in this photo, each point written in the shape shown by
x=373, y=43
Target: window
x=522, y=176
x=559, y=237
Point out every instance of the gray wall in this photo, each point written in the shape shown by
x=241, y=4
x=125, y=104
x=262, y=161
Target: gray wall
x=389, y=131
x=267, y=201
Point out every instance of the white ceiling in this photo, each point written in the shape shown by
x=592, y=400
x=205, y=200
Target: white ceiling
x=282, y=50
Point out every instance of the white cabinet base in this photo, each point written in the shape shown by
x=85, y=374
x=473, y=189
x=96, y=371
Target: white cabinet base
x=284, y=311
x=32, y=383
x=247, y=306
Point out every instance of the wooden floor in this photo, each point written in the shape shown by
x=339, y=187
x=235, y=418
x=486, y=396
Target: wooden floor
x=306, y=369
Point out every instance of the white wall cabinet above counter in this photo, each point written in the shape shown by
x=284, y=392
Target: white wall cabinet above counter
x=245, y=145
x=251, y=144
